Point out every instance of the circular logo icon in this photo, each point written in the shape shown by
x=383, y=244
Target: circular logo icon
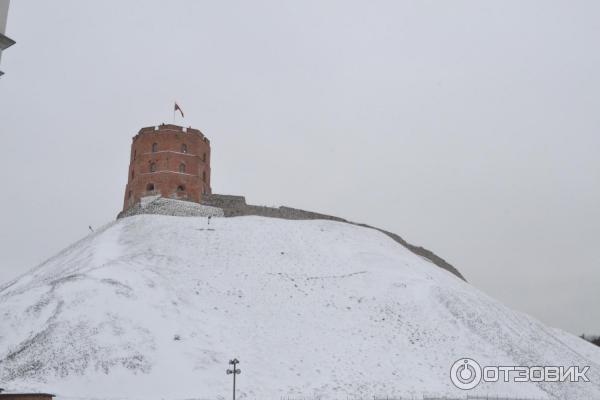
x=465, y=373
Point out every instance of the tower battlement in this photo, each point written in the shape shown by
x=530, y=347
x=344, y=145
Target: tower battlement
x=168, y=160
x=170, y=128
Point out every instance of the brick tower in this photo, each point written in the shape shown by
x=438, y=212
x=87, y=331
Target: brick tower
x=170, y=161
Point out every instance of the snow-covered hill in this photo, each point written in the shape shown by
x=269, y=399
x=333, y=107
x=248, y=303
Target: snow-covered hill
x=154, y=307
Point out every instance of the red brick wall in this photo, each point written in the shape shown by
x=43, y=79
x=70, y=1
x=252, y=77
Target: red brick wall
x=167, y=159
x=32, y=396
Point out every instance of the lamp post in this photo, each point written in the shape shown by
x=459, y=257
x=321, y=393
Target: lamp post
x=234, y=372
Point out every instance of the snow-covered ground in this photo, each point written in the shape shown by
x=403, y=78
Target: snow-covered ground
x=153, y=307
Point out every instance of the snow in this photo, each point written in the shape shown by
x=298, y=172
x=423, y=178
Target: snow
x=310, y=308
x=144, y=201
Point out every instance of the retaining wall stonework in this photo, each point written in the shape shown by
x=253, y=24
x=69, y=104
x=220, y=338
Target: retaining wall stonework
x=179, y=208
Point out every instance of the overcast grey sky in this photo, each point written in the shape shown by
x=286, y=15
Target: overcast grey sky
x=469, y=127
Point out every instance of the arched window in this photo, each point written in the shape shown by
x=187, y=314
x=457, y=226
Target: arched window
x=152, y=167
x=203, y=176
x=181, y=188
x=204, y=157
x=129, y=195
x=132, y=174
x=184, y=148
x=150, y=187
x=134, y=154
x=154, y=147
x=182, y=168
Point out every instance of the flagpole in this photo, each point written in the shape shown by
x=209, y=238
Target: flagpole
x=174, y=111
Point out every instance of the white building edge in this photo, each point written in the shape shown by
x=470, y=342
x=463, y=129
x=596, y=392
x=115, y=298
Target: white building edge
x=5, y=41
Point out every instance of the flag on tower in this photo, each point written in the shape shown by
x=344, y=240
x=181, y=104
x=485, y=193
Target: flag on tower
x=177, y=108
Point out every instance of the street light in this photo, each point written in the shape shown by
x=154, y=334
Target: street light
x=234, y=371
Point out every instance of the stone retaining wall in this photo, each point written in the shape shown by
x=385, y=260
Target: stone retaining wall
x=179, y=208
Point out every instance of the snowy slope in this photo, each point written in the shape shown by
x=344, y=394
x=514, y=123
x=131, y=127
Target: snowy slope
x=154, y=306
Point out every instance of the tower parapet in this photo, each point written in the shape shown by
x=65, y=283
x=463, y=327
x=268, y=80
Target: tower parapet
x=170, y=161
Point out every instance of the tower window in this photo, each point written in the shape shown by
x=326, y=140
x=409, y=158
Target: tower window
x=181, y=188
x=134, y=154
x=204, y=157
x=182, y=168
x=152, y=167
x=132, y=174
x=184, y=148
x=129, y=195
x=154, y=147
x=150, y=187
x=203, y=176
